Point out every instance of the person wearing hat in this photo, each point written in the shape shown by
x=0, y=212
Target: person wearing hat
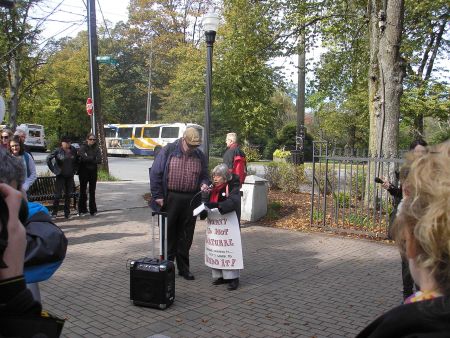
x=63, y=162
x=178, y=174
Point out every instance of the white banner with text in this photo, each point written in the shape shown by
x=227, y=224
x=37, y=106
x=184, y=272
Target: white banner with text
x=223, y=247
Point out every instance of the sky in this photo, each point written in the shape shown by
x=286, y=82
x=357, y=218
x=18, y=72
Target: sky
x=62, y=18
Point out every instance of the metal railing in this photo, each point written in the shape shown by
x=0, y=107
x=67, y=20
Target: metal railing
x=345, y=197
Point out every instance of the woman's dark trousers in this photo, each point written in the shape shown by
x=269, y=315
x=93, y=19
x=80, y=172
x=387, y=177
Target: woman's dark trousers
x=63, y=184
x=87, y=177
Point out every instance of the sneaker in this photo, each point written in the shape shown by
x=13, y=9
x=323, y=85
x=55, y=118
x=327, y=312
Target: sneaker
x=81, y=214
x=93, y=214
x=53, y=217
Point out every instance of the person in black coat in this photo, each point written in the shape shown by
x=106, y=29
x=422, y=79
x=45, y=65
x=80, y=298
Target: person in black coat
x=417, y=148
x=90, y=158
x=63, y=162
x=226, y=197
x=422, y=231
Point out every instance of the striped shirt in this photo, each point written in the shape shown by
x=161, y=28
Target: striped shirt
x=184, y=172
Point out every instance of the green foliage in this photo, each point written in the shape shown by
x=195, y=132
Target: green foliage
x=360, y=220
x=281, y=153
x=285, y=176
x=104, y=176
x=213, y=162
x=342, y=199
x=251, y=153
x=273, y=210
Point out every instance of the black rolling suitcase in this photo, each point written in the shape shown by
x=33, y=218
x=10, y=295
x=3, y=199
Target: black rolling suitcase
x=152, y=280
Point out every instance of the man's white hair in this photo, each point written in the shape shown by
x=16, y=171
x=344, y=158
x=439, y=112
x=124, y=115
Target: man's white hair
x=232, y=137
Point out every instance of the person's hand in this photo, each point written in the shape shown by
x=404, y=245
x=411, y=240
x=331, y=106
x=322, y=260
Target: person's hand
x=211, y=205
x=160, y=201
x=204, y=187
x=14, y=254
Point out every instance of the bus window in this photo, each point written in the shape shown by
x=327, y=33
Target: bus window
x=125, y=133
x=110, y=132
x=170, y=132
x=34, y=133
x=138, y=132
x=151, y=132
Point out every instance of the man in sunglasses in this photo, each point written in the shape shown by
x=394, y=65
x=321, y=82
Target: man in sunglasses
x=178, y=174
x=90, y=158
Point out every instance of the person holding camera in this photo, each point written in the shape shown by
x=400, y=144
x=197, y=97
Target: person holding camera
x=417, y=148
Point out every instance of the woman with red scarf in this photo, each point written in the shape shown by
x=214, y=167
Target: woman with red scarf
x=226, y=197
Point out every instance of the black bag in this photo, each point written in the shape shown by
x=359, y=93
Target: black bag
x=28, y=325
x=46, y=242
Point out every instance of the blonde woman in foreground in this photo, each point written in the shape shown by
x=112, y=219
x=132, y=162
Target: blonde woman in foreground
x=422, y=231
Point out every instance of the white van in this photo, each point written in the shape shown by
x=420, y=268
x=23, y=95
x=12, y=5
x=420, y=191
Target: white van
x=35, y=136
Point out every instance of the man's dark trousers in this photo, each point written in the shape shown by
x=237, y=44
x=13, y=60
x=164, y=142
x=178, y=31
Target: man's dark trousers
x=87, y=176
x=180, y=227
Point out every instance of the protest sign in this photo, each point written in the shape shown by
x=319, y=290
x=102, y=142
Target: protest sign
x=223, y=247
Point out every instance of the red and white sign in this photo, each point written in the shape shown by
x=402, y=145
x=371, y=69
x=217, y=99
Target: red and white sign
x=89, y=106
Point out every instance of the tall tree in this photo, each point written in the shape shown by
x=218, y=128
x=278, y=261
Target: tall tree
x=18, y=39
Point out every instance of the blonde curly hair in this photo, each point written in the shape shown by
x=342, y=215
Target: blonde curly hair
x=425, y=214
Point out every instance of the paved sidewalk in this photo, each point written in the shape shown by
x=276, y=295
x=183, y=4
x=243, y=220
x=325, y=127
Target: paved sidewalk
x=293, y=285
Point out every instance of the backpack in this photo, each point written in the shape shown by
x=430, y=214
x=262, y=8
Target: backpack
x=240, y=167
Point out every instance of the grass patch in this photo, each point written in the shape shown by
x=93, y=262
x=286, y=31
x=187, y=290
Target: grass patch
x=104, y=176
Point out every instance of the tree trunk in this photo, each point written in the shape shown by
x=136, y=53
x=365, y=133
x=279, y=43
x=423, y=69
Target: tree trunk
x=373, y=81
x=391, y=75
x=14, y=82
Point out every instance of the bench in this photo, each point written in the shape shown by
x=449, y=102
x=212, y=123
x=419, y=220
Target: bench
x=43, y=190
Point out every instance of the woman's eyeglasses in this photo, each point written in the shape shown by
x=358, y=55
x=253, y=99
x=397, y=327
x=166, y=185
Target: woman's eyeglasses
x=5, y=137
x=92, y=139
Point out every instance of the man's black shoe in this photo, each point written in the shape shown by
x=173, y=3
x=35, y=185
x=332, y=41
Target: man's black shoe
x=234, y=283
x=187, y=275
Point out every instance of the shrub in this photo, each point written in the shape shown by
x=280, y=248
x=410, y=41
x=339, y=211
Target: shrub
x=342, y=199
x=273, y=210
x=251, y=154
x=285, y=176
x=281, y=153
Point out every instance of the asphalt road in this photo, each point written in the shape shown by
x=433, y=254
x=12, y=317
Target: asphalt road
x=128, y=168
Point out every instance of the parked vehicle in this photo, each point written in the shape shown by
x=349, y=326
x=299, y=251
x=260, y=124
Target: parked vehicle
x=143, y=139
x=35, y=139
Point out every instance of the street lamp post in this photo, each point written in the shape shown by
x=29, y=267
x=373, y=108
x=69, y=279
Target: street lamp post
x=210, y=24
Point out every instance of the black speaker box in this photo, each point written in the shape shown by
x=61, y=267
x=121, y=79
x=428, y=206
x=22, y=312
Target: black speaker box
x=152, y=283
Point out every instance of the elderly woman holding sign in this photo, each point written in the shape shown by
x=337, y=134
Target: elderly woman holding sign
x=223, y=249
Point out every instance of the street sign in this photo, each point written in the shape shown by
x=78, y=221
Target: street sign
x=106, y=59
x=89, y=106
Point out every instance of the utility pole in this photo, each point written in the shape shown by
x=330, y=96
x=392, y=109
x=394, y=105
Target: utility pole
x=300, y=134
x=149, y=94
x=94, y=87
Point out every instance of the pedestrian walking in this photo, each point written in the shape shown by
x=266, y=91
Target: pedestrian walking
x=178, y=174
x=90, y=157
x=63, y=162
x=235, y=158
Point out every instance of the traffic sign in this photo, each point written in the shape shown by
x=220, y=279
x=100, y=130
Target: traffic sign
x=106, y=59
x=89, y=106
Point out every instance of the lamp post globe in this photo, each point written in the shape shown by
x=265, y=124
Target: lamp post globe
x=210, y=24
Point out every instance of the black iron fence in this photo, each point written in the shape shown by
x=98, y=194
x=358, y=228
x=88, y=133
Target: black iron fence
x=345, y=197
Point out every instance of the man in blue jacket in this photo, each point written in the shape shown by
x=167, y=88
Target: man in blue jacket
x=178, y=174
